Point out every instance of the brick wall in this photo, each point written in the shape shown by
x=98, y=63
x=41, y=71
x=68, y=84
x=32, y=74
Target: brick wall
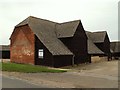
x=22, y=45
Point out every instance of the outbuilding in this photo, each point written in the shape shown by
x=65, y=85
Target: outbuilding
x=4, y=52
x=93, y=50
x=115, y=49
x=42, y=42
x=101, y=40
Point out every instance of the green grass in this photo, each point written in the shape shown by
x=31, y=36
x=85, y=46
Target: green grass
x=13, y=67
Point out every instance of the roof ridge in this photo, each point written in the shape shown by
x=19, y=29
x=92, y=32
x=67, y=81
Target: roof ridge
x=28, y=19
x=99, y=31
x=115, y=41
x=70, y=22
x=42, y=19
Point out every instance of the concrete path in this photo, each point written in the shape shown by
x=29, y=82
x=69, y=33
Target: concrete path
x=8, y=82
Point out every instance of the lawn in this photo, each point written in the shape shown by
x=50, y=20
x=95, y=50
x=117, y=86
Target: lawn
x=13, y=67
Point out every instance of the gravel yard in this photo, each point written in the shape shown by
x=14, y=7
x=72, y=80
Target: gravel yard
x=95, y=75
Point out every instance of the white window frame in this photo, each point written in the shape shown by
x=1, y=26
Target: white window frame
x=40, y=53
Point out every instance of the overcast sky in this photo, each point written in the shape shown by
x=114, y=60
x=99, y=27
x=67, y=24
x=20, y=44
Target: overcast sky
x=96, y=15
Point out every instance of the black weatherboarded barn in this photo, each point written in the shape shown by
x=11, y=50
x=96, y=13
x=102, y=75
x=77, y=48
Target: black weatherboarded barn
x=73, y=35
x=93, y=50
x=115, y=49
x=4, y=51
x=55, y=44
x=101, y=40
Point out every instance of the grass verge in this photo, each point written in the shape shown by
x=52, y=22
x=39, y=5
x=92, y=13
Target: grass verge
x=13, y=67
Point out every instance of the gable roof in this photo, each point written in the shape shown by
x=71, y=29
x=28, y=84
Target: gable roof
x=46, y=32
x=67, y=29
x=4, y=47
x=92, y=48
x=97, y=37
x=115, y=47
x=62, y=30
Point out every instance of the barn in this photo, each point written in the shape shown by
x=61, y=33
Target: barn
x=93, y=50
x=72, y=35
x=101, y=40
x=115, y=49
x=42, y=42
x=4, y=52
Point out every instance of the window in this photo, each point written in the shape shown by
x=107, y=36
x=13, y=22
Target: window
x=40, y=53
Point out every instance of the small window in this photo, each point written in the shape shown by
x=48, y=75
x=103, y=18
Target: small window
x=40, y=53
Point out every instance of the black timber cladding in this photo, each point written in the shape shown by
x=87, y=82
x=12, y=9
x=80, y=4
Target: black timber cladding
x=115, y=48
x=77, y=44
x=4, y=51
x=48, y=58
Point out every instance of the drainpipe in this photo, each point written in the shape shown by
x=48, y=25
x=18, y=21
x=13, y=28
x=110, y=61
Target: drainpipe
x=73, y=60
